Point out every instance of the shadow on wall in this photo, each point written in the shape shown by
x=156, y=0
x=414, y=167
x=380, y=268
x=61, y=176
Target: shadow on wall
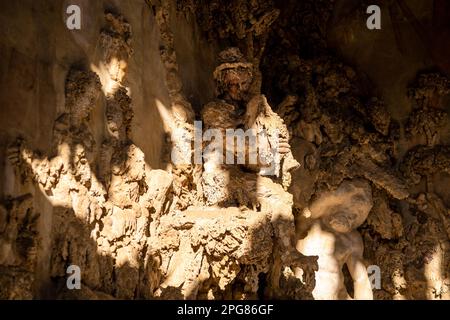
x=79, y=176
x=93, y=223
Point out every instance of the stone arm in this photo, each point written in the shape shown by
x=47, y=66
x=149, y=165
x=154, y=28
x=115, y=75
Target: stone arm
x=358, y=271
x=274, y=149
x=31, y=164
x=106, y=152
x=42, y=169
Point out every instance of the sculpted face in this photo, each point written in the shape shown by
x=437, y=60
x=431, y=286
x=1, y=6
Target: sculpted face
x=115, y=122
x=350, y=215
x=237, y=83
x=83, y=90
x=345, y=208
x=341, y=221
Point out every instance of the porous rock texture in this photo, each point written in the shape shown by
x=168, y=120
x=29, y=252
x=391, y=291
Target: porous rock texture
x=91, y=120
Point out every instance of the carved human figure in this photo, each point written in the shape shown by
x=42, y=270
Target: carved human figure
x=228, y=184
x=331, y=234
x=122, y=164
x=69, y=171
x=130, y=193
x=68, y=180
x=239, y=108
x=123, y=171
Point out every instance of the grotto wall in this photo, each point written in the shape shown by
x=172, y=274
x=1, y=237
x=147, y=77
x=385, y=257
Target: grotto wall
x=92, y=119
x=394, y=83
x=77, y=105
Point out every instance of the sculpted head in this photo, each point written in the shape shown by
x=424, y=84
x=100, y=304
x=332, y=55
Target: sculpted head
x=345, y=208
x=233, y=76
x=83, y=88
x=114, y=120
x=118, y=115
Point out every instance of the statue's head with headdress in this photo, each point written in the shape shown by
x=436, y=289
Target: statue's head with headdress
x=233, y=76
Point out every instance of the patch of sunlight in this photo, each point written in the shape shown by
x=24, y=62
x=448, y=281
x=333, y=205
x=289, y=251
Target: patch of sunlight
x=111, y=74
x=436, y=285
x=166, y=116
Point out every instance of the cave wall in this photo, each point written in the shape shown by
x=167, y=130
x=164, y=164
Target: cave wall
x=362, y=98
x=38, y=50
x=37, y=53
x=337, y=64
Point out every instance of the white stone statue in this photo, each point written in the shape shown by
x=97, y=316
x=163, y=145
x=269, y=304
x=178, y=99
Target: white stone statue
x=332, y=236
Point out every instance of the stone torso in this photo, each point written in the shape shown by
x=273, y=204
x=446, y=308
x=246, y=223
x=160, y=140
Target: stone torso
x=333, y=249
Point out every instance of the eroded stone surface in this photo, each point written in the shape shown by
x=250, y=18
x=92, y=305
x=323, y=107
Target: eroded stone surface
x=372, y=183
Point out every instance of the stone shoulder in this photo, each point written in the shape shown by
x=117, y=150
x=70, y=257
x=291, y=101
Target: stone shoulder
x=218, y=115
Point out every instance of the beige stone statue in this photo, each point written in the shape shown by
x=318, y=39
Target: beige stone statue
x=69, y=172
x=133, y=189
x=245, y=186
x=332, y=235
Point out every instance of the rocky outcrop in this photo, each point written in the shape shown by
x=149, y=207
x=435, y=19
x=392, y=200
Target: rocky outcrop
x=214, y=253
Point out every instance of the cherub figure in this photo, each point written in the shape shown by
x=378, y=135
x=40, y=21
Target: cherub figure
x=332, y=235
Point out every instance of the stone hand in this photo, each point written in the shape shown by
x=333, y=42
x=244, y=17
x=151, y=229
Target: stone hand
x=14, y=152
x=307, y=263
x=283, y=146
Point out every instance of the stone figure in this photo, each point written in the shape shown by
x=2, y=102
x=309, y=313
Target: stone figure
x=231, y=185
x=69, y=171
x=127, y=177
x=136, y=194
x=332, y=235
x=123, y=169
x=68, y=179
x=238, y=108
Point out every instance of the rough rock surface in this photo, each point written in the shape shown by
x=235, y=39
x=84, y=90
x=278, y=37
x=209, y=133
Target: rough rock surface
x=214, y=253
x=92, y=121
